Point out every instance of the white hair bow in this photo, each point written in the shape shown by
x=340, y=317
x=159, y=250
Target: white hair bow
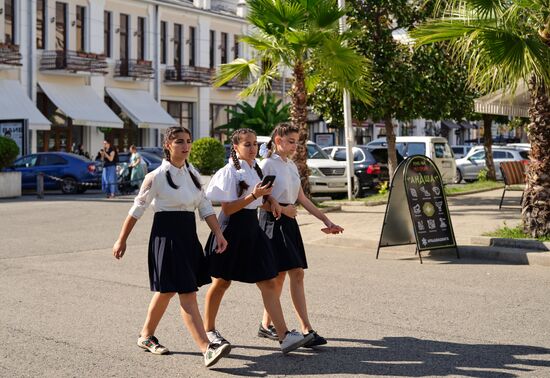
x=264, y=150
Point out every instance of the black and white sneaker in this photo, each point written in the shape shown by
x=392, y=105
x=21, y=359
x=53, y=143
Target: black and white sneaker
x=268, y=333
x=315, y=341
x=216, y=350
x=215, y=335
x=293, y=340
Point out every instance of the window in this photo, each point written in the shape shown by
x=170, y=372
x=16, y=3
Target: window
x=524, y=154
x=236, y=46
x=218, y=117
x=40, y=29
x=163, y=42
x=49, y=159
x=212, y=48
x=107, y=22
x=182, y=112
x=177, y=45
x=223, y=48
x=124, y=40
x=478, y=156
x=141, y=38
x=80, y=27
x=9, y=21
x=192, y=46
x=499, y=155
x=26, y=162
x=340, y=155
x=60, y=26
x=416, y=149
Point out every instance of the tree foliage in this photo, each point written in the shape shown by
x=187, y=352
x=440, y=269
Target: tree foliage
x=207, y=155
x=8, y=152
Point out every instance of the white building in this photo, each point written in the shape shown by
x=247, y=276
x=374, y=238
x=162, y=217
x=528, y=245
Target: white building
x=120, y=69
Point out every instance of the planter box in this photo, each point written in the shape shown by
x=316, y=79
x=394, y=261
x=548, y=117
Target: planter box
x=10, y=184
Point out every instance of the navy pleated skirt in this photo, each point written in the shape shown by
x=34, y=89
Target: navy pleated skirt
x=284, y=234
x=176, y=259
x=249, y=254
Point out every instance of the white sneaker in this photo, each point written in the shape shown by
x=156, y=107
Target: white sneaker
x=216, y=335
x=293, y=340
x=215, y=351
x=152, y=344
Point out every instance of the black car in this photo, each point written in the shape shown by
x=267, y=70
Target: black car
x=370, y=165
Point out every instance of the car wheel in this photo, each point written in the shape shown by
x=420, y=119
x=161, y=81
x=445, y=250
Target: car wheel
x=69, y=185
x=469, y=180
x=357, y=191
x=458, y=177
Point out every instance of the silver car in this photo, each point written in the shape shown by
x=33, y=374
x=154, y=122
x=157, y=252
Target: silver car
x=468, y=168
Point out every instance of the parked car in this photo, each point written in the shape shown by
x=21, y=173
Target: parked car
x=326, y=175
x=370, y=165
x=468, y=168
x=149, y=159
x=461, y=150
x=62, y=170
x=158, y=151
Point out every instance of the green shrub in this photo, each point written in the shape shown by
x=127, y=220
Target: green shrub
x=207, y=155
x=8, y=152
x=482, y=175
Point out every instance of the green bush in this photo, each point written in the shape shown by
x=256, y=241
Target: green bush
x=207, y=155
x=482, y=175
x=8, y=152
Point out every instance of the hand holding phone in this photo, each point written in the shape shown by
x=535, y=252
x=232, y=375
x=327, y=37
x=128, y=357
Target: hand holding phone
x=268, y=180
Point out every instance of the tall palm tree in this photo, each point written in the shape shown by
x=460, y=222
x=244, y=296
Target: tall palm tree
x=303, y=37
x=504, y=44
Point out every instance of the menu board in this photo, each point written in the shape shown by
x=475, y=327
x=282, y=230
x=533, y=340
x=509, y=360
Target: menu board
x=427, y=204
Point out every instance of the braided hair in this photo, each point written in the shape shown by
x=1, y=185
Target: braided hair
x=170, y=135
x=281, y=130
x=235, y=139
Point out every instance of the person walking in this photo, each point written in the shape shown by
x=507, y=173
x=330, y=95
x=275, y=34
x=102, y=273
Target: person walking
x=283, y=230
x=175, y=258
x=109, y=157
x=249, y=257
x=136, y=164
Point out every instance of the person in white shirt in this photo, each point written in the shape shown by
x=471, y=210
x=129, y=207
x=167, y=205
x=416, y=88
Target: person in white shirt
x=249, y=256
x=283, y=231
x=176, y=260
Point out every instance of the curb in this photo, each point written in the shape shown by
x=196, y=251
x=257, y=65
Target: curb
x=529, y=244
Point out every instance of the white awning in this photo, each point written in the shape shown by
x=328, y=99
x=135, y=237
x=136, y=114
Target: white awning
x=82, y=104
x=15, y=104
x=142, y=108
x=502, y=102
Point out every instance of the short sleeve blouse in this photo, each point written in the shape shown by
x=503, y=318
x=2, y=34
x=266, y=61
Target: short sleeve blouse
x=286, y=186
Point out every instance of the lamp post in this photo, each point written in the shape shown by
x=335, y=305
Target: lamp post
x=348, y=127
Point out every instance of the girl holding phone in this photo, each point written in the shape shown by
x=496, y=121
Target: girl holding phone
x=176, y=260
x=283, y=230
x=249, y=257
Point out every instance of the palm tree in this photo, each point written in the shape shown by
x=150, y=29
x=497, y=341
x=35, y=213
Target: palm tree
x=262, y=117
x=303, y=37
x=505, y=44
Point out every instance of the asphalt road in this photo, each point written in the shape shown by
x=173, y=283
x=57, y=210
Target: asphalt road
x=69, y=309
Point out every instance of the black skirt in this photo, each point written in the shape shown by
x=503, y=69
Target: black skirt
x=249, y=254
x=284, y=234
x=176, y=259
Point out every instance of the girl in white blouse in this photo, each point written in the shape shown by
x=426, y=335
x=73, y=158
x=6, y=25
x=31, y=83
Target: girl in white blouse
x=283, y=231
x=176, y=260
x=249, y=256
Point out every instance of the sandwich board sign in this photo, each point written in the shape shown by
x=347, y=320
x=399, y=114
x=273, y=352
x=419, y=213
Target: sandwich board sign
x=417, y=211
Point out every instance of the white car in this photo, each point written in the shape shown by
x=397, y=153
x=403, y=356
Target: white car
x=468, y=168
x=326, y=175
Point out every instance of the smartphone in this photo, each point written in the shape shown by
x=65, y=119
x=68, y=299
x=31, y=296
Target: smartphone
x=268, y=180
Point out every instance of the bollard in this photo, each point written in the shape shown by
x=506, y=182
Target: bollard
x=40, y=185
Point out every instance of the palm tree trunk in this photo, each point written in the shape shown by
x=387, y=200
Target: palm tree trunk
x=390, y=140
x=536, y=199
x=488, y=143
x=298, y=115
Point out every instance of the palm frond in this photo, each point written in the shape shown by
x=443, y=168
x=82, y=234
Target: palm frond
x=239, y=68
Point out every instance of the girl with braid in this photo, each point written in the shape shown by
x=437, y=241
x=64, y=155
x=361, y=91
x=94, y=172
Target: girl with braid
x=176, y=260
x=249, y=256
x=283, y=230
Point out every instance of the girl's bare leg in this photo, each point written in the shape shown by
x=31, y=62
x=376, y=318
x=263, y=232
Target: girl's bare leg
x=213, y=300
x=280, y=280
x=157, y=307
x=270, y=296
x=192, y=319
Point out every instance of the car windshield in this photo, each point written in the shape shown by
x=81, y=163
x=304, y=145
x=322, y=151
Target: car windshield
x=315, y=152
x=152, y=157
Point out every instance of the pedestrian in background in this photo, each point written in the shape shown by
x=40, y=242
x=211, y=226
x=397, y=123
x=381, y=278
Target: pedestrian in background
x=283, y=230
x=249, y=257
x=176, y=260
x=136, y=166
x=109, y=157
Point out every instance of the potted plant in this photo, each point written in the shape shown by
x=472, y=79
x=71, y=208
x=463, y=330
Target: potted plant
x=10, y=181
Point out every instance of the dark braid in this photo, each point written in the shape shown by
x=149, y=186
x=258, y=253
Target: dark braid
x=169, y=135
x=235, y=139
x=281, y=130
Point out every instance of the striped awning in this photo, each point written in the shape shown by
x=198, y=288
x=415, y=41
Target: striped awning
x=505, y=102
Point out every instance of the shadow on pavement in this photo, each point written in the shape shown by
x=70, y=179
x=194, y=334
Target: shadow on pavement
x=398, y=356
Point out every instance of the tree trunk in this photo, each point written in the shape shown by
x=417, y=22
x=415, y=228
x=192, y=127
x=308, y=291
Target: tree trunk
x=298, y=115
x=390, y=141
x=536, y=199
x=488, y=143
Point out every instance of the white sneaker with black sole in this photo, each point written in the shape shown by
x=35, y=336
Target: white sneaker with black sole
x=215, y=351
x=293, y=340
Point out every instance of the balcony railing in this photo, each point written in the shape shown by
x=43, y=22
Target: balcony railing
x=135, y=68
x=189, y=75
x=10, y=55
x=74, y=62
x=237, y=84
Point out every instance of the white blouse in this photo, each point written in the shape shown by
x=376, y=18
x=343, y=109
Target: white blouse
x=224, y=185
x=287, y=179
x=156, y=191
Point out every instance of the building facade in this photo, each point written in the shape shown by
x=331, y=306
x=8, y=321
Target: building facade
x=116, y=69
